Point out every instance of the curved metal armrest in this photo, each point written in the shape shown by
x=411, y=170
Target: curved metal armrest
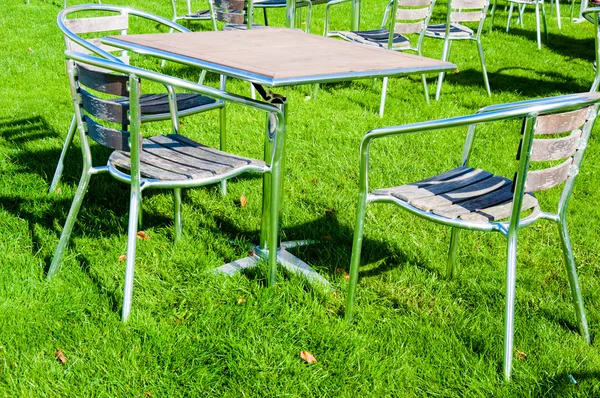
x=590, y=12
x=552, y=100
x=327, y=6
x=103, y=7
x=175, y=82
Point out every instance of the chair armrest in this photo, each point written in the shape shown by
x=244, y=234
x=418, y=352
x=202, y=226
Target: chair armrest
x=327, y=6
x=590, y=12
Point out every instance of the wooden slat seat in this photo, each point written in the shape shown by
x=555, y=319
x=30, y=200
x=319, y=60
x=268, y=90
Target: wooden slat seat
x=152, y=104
x=456, y=31
x=464, y=192
x=375, y=37
x=174, y=157
x=199, y=15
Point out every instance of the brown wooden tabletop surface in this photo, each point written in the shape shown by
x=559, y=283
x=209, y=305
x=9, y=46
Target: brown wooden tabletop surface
x=278, y=56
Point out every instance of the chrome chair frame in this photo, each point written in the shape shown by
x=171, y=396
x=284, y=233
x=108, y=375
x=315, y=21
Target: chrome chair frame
x=409, y=14
x=101, y=50
x=592, y=14
x=274, y=140
x=528, y=111
x=455, y=14
x=521, y=8
x=191, y=16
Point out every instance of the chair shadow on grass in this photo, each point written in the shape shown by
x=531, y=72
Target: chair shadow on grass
x=563, y=384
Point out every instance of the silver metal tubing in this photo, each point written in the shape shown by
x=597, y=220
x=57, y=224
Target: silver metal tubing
x=61, y=160
x=177, y=210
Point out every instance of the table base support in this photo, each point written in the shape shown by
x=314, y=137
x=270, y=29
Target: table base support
x=284, y=257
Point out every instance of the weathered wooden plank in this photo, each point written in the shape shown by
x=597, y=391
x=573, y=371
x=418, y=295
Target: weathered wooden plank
x=437, y=179
x=98, y=24
x=107, y=110
x=555, y=148
x=104, y=82
x=496, y=197
x=230, y=5
x=412, y=14
x=122, y=160
x=446, y=186
x=111, y=138
x=467, y=16
x=460, y=195
x=231, y=17
x=500, y=211
x=538, y=180
x=415, y=27
x=561, y=122
x=468, y=4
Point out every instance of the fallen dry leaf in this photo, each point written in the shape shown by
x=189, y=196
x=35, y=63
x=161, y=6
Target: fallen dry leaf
x=243, y=201
x=327, y=237
x=456, y=71
x=122, y=257
x=143, y=235
x=329, y=210
x=58, y=191
x=315, y=181
x=334, y=293
x=241, y=300
x=521, y=354
x=60, y=356
x=308, y=357
x=30, y=49
x=148, y=394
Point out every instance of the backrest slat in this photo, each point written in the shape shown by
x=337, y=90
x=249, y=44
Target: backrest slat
x=468, y=4
x=414, y=3
x=561, y=122
x=108, y=110
x=555, y=148
x=112, y=138
x=415, y=27
x=231, y=17
x=98, y=24
x=104, y=82
x=230, y=5
x=466, y=16
x=411, y=14
x=538, y=180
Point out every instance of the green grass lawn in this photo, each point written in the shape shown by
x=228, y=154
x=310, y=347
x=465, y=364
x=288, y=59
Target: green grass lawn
x=193, y=333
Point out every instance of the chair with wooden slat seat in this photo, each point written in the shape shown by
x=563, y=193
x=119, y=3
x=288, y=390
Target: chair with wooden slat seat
x=273, y=4
x=170, y=161
x=401, y=17
x=239, y=14
x=521, y=4
x=83, y=26
x=555, y=132
x=461, y=12
x=190, y=16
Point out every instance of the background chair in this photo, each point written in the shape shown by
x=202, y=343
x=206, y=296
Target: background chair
x=153, y=106
x=461, y=11
x=592, y=14
x=539, y=4
x=401, y=17
x=169, y=161
x=193, y=16
x=474, y=199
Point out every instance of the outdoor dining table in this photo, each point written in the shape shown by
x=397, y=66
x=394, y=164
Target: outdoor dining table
x=276, y=57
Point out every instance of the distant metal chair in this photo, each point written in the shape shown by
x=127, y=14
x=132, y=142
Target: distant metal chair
x=166, y=161
x=459, y=12
x=154, y=107
x=521, y=8
x=401, y=17
x=239, y=14
x=592, y=14
x=193, y=16
x=272, y=4
x=474, y=199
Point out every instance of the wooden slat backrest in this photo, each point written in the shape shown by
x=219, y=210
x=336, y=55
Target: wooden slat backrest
x=108, y=110
x=230, y=5
x=103, y=82
x=567, y=124
x=467, y=10
x=109, y=137
x=236, y=17
x=411, y=15
x=98, y=24
x=468, y=4
x=466, y=16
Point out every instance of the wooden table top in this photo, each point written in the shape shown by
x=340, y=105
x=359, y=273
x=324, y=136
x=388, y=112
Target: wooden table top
x=277, y=56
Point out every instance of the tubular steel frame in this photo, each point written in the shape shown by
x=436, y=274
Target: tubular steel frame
x=592, y=15
x=275, y=137
x=529, y=110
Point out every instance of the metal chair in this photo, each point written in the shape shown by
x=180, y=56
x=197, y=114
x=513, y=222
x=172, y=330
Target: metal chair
x=239, y=14
x=474, y=199
x=168, y=161
x=459, y=12
x=521, y=8
x=272, y=4
x=401, y=17
x=592, y=14
x=193, y=16
x=154, y=107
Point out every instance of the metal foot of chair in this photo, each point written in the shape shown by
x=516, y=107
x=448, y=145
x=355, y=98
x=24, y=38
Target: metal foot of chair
x=511, y=277
x=134, y=205
x=177, y=211
x=452, y=252
x=63, y=153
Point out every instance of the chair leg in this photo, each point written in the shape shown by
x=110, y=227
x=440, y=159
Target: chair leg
x=425, y=89
x=202, y=77
x=485, y=76
x=537, y=25
x=61, y=160
x=596, y=82
x=510, y=11
x=574, y=281
x=558, y=14
x=134, y=205
x=223, y=141
x=492, y=14
x=68, y=228
x=545, y=23
x=265, y=15
x=521, y=8
x=383, y=94
x=359, y=227
x=452, y=252
x=511, y=277
x=445, y=57
x=177, y=211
